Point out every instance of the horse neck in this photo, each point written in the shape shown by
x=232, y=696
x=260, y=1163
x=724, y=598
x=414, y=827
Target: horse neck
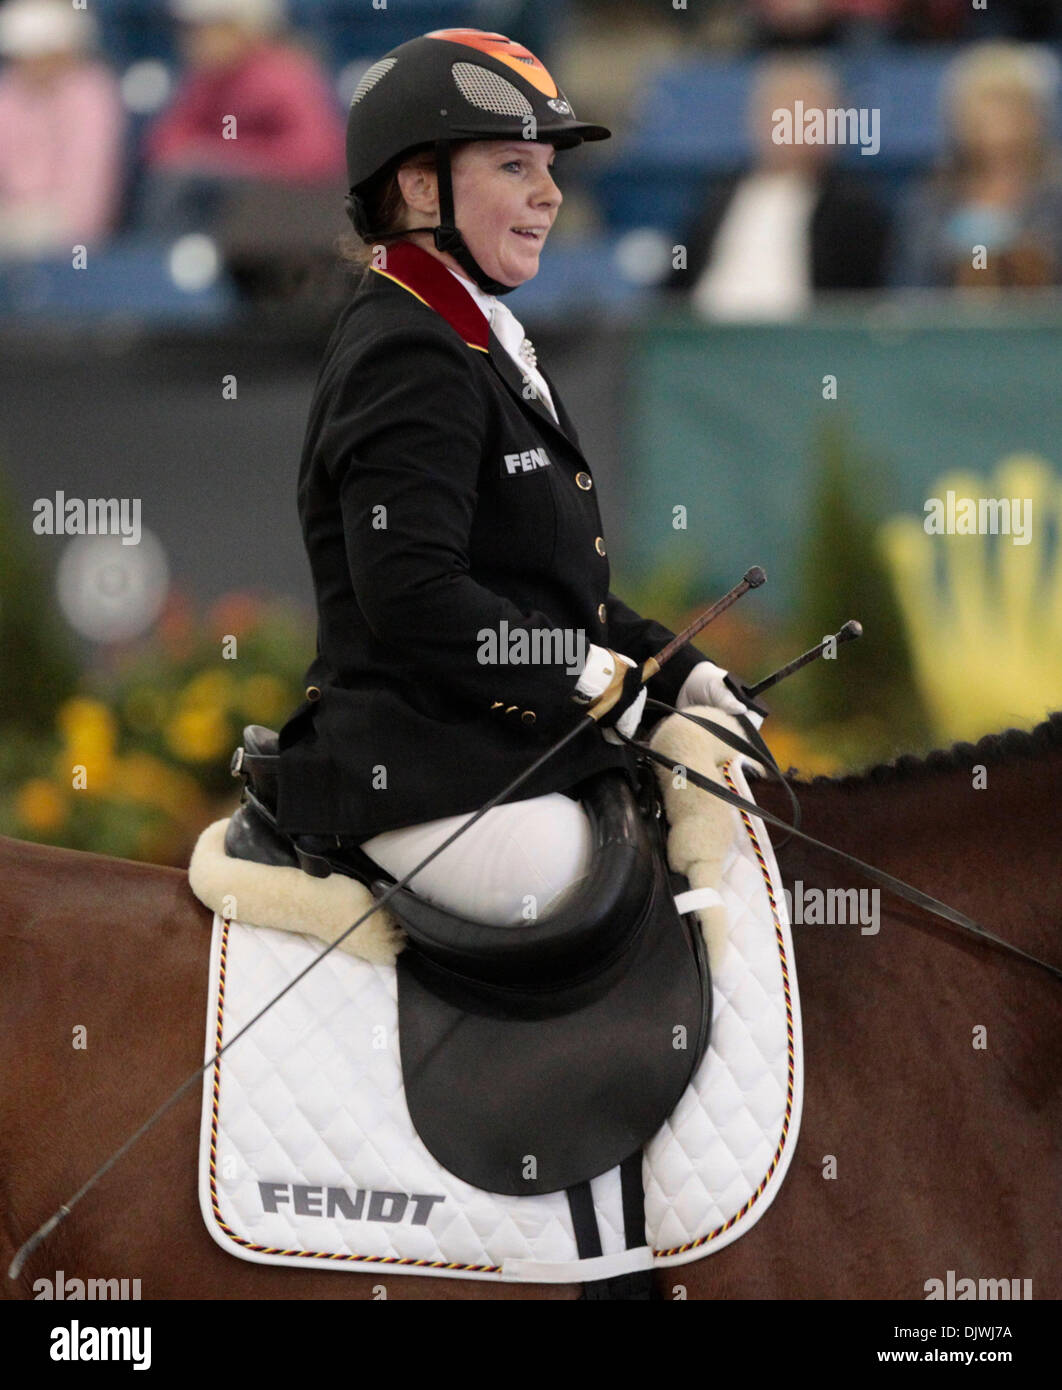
x=983, y=839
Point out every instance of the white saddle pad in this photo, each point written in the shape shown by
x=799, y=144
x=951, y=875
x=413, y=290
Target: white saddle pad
x=307, y=1152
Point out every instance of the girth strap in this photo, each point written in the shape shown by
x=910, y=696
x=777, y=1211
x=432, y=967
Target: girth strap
x=584, y=1221
x=896, y=885
x=633, y=1194
x=636, y=1284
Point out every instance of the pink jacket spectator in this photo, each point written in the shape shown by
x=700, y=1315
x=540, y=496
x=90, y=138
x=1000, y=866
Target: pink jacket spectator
x=288, y=125
x=61, y=154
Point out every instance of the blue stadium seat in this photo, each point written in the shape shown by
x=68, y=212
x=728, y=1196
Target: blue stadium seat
x=688, y=125
x=577, y=277
x=134, y=29
x=130, y=280
x=635, y=192
x=692, y=115
x=904, y=85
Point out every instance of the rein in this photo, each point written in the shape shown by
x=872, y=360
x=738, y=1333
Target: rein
x=755, y=748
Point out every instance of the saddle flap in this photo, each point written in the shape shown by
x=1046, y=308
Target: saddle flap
x=505, y=1061
x=524, y=1101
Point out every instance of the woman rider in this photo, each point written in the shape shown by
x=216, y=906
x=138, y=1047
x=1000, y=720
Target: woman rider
x=451, y=521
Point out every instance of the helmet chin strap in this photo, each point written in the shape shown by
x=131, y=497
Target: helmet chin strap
x=447, y=236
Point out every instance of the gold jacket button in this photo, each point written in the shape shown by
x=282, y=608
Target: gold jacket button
x=584, y=481
x=313, y=692
x=511, y=709
x=599, y=545
x=528, y=716
x=602, y=613
x=497, y=704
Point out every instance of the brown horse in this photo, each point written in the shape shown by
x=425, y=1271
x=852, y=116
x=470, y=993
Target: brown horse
x=931, y=1138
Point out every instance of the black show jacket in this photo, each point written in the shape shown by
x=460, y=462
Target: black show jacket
x=440, y=502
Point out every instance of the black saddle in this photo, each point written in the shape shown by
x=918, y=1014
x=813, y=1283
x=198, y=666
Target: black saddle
x=536, y=1057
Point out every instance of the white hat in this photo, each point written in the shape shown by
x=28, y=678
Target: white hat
x=255, y=14
x=33, y=28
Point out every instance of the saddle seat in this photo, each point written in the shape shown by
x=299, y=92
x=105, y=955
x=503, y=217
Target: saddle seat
x=595, y=922
x=535, y=1057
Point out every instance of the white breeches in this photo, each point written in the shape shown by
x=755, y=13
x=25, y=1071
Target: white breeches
x=519, y=862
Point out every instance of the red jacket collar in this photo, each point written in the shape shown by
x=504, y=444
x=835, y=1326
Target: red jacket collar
x=423, y=275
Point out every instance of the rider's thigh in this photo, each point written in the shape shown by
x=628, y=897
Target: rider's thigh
x=516, y=864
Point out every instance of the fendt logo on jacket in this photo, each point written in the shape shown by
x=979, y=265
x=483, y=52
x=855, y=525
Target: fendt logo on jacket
x=527, y=462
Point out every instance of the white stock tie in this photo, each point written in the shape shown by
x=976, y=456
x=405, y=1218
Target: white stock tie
x=510, y=333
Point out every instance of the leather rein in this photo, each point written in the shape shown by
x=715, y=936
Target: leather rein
x=754, y=747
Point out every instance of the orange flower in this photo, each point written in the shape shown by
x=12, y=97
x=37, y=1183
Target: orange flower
x=791, y=749
x=176, y=626
x=40, y=805
x=235, y=614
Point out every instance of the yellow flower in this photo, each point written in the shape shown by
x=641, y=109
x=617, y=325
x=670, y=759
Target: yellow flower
x=151, y=782
x=87, y=725
x=198, y=735
x=40, y=805
x=138, y=776
x=264, y=699
x=89, y=733
x=209, y=690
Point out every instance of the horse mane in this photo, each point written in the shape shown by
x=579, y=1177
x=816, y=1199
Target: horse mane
x=993, y=748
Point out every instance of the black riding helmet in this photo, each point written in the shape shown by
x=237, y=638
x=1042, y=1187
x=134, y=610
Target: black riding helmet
x=448, y=86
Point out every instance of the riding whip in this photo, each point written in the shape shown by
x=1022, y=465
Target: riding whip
x=848, y=633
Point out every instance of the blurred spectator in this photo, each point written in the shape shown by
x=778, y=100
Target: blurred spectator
x=788, y=23
x=61, y=131
x=999, y=186
x=288, y=125
x=767, y=240
x=1035, y=20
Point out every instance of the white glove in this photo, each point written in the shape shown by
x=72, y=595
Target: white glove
x=594, y=680
x=704, y=686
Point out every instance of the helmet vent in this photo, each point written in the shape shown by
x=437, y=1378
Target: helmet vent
x=489, y=92
x=370, y=78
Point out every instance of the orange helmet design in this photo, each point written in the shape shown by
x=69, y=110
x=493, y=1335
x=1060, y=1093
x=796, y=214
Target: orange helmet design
x=519, y=58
